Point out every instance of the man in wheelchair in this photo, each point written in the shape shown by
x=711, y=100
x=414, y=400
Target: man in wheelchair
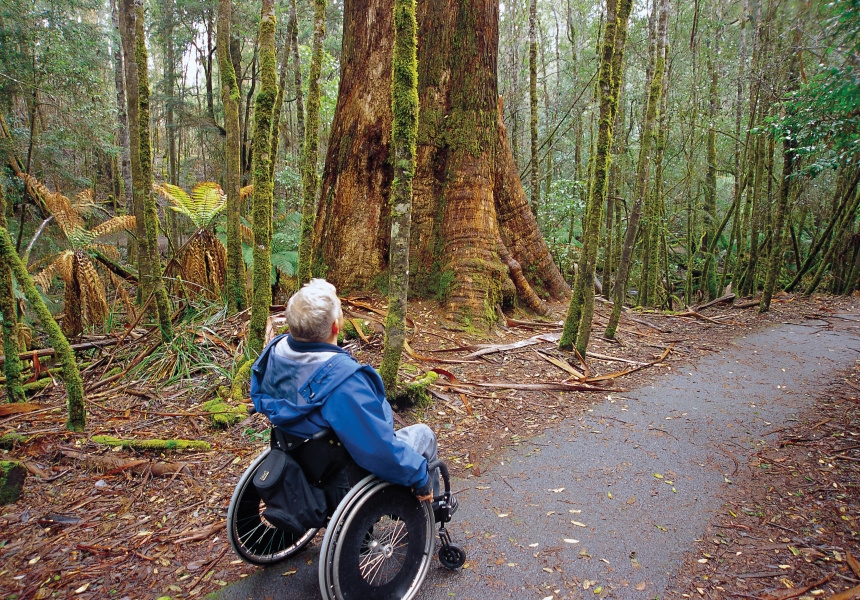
x=304, y=383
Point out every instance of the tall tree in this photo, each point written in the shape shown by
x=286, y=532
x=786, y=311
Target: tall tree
x=404, y=131
x=150, y=213
x=577, y=324
x=467, y=196
x=642, y=188
x=533, y=107
x=262, y=179
x=237, y=297
x=310, y=150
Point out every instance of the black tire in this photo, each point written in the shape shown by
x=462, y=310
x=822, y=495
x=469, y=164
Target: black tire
x=452, y=557
x=379, y=546
x=254, y=539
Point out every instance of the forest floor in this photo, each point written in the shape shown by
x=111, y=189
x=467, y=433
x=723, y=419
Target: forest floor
x=96, y=522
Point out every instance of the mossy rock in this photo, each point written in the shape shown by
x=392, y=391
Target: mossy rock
x=223, y=414
x=161, y=445
x=349, y=330
x=241, y=383
x=12, y=475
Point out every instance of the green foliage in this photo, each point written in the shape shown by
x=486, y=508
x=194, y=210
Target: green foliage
x=205, y=203
x=823, y=115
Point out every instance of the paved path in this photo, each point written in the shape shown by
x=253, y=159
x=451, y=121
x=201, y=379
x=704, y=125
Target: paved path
x=618, y=496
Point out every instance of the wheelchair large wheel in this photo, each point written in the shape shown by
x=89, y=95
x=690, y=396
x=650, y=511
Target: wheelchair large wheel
x=377, y=545
x=254, y=539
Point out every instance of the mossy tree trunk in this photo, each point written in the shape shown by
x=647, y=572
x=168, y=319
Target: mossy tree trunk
x=71, y=376
x=404, y=131
x=297, y=75
x=709, y=277
x=533, y=108
x=127, y=27
x=150, y=213
x=577, y=324
x=263, y=185
x=642, y=187
x=12, y=363
x=310, y=150
x=466, y=191
x=237, y=297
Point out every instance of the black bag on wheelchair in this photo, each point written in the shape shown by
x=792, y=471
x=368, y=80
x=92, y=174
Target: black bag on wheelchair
x=292, y=504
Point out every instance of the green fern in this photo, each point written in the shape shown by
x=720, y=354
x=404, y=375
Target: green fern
x=206, y=201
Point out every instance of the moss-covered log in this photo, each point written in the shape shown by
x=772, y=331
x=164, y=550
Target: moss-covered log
x=71, y=376
x=12, y=475
x=160, y=445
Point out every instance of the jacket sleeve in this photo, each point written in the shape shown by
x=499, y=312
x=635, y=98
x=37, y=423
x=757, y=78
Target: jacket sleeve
x=356, y=412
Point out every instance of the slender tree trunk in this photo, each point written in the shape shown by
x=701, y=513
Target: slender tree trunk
x=533, y=108
x=12, y=365
x=845, y=220
x=577, y=325
x=150, y=213
x=708, y=282
x=297, y=75
x=789, y=156
x=237, y=296
x=655, y=88
x=128, y=27
x=310, y=153
x=122, y=120
x=404, y=133
x=71, y=376
x=263, y=187
x=655, y=209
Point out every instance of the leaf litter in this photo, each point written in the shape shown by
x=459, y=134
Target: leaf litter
x=96, y=522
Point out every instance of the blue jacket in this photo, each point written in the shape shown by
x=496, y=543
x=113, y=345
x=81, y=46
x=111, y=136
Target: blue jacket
x=306, y=395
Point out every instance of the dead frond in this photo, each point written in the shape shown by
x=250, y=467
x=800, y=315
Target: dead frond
x=57, y=204
x=246, y=191
x=121, y=223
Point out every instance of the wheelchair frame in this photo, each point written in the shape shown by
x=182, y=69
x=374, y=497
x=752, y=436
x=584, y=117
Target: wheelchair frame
x=378, y=540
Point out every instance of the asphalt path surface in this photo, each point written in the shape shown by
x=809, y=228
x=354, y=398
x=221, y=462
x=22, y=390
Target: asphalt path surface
x=612, y=501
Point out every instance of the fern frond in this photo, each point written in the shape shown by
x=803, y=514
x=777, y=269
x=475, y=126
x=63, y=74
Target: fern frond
x=112, y=252
x=121, y=223
x=176, y=196
x=93, y=303
x=45, y=277
x=209, y=200
x=247, y=233
x=84, y=203
x=57, y=204
x=246, y=191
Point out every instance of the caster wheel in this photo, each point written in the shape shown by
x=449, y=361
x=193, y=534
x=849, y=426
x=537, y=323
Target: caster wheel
x=452, y=557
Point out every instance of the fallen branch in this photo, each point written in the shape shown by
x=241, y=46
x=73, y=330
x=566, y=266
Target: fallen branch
x=539, y=387
x=50, y=351
x=747, y=304
x=721, y=299
x=113, y=442
x=115, y=465
x=201, y=534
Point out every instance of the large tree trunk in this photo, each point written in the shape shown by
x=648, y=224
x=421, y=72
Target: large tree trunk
x=467, y=195
x=12, y=365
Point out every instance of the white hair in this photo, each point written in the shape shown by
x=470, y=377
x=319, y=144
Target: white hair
x=312, y=310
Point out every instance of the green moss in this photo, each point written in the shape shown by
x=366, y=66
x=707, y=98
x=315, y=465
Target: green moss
x=12, y=475
x=223, y=414
x=241, y=382
x=161, y=445
x=7, y=440
x=349, y=332
x=415, y=394
x=36, y=386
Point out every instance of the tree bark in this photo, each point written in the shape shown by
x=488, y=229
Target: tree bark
x=404, y=132
x=150, y=213
x=577, y=324
x=122, y=119
x=127, y=21
x=642, y=190
x=263, y=185
x=237, y=296
x=533, y=108
x=466, y=191
x=310, y=150
x=12, y=363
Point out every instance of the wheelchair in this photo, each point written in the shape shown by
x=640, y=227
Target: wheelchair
x=378, y=539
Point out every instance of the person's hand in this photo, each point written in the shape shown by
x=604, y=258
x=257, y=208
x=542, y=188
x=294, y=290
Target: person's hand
x=425, y=492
